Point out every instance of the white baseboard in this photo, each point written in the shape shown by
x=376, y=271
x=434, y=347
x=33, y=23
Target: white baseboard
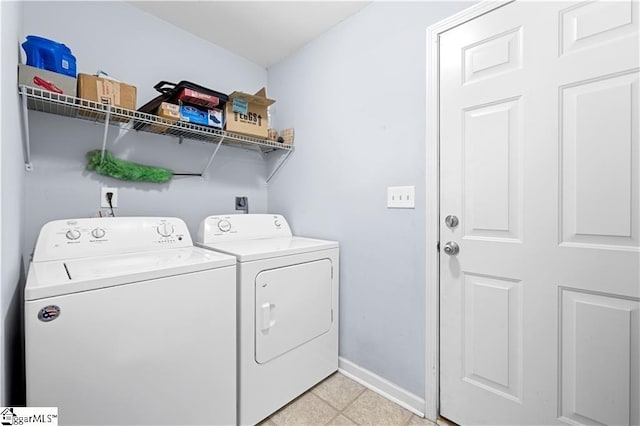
x=389, y=390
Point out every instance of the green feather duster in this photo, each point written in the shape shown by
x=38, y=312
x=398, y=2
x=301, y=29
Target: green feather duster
x=125, y=170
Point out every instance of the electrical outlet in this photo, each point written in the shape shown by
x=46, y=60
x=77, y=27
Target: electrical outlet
x=104, y=202
x=401, y=197
x=242, y=204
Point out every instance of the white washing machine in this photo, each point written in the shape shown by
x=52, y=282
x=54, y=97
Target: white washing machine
x=127, y=323
x=288, y=308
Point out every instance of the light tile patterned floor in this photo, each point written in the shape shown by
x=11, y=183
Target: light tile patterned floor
x=341, y=401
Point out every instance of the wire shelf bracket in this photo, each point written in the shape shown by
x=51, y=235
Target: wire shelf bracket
x=281, y=162
x=261, y=153
x=25, y=137
x=206, y=168
x=104, y=136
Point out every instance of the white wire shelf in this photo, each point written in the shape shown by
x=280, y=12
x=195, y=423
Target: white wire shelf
x=69, y=106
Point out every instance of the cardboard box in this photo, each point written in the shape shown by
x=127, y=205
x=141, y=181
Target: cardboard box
x=255, y=122
x=106, y=91
x=287, y=136
x=194, y=115
x=190, y=96
x=47, y=80
x=168, y=111
x=206, y=117
x=215, y=118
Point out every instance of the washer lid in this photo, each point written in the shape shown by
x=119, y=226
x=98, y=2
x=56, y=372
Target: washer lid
x=59, y=277
x=250, y=250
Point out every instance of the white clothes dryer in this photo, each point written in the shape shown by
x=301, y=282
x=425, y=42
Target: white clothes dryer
x=287, y=308
x=126, y=322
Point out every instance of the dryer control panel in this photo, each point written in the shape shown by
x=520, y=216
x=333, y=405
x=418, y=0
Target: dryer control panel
x=77, y=238
x=242, y=227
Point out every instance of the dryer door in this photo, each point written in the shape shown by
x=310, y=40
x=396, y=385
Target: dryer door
x=293, y=306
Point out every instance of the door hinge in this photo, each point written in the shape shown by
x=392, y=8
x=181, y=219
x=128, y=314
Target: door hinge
x=331, y=315
x=438, y=246
x=331, y=271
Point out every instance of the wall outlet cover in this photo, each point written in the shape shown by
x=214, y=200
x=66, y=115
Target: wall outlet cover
x=242, y=203
x=103, y=197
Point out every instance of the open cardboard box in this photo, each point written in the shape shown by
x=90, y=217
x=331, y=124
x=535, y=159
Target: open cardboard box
x=255, y=122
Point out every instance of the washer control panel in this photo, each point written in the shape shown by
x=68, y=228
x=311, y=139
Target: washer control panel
x=76, y=238
x=242, y=227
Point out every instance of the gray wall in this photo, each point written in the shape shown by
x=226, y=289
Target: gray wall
x=139, y=49
x=356, y=97
x=11, y=210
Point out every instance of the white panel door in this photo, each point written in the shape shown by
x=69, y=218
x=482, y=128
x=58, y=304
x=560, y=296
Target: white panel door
x=539, y=161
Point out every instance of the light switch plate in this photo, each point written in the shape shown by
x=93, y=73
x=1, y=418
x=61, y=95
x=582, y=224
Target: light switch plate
x=401, y=197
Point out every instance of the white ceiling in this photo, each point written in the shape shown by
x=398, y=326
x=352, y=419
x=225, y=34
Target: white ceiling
x=262, y=31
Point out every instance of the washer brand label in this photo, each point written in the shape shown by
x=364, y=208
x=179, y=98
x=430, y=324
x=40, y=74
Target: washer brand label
x=49, y=313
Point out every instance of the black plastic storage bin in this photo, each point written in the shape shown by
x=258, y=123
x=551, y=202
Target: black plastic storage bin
x=170, y=92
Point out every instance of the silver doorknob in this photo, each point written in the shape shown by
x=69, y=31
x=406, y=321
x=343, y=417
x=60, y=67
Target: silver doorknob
x=451, y=248
x=451, y=221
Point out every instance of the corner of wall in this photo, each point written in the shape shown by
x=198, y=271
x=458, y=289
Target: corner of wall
x=12, y=209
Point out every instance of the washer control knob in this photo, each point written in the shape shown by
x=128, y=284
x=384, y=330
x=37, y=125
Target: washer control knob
x=72, y=234
x=165, y=229
x=98, y=233
x=277, y=223
x=224, y=225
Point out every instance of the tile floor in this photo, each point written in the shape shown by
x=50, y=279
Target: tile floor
x=341, y=401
